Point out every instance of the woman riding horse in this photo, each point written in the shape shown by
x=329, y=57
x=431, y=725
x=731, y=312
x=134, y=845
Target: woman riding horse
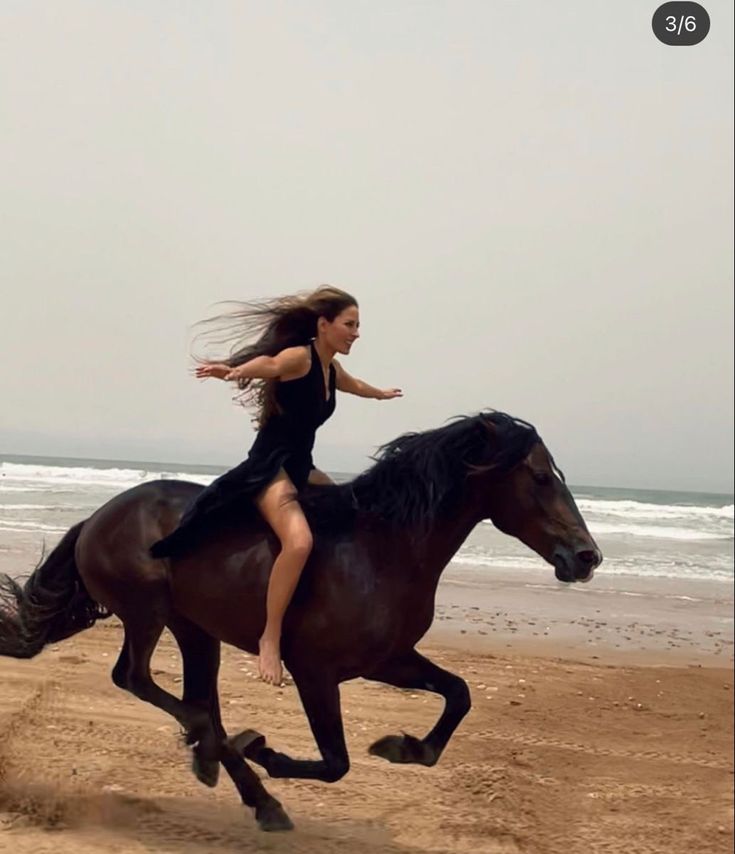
x=290, y=373
x=365, y=600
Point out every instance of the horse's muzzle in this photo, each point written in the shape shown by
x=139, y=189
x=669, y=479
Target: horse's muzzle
x=576, y=564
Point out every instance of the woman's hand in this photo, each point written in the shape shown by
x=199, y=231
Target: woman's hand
x=232, y=374
x=390, y=393
x=218, y=370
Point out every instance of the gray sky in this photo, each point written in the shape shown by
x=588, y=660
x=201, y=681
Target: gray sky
x=532, y=202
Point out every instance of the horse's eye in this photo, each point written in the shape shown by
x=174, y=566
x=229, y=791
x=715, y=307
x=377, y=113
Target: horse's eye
x=541, y=478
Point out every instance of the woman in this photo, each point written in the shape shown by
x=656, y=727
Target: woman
x=290, y=375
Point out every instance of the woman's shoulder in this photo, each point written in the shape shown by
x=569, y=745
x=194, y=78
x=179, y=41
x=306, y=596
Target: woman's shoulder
x=295, y=362
x=298, y=352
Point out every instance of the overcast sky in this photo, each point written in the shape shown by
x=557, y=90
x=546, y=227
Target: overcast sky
x=532, y=202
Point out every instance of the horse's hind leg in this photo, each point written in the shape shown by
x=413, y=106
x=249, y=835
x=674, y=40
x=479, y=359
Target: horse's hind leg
x=418, y=673
x=201, y=656
x=269, y=813
x=132, y=672
x=120, y=670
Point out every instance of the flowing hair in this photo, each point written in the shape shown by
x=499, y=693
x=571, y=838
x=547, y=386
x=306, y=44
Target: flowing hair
x=264, y=327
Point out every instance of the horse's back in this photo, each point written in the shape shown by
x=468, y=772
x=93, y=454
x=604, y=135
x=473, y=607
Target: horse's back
x=148, y=509
x=112, y=549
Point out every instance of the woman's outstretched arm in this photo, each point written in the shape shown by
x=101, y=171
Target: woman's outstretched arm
x=351, y=385
x=291, y=363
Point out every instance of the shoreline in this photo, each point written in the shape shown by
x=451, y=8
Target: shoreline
x=620, y=619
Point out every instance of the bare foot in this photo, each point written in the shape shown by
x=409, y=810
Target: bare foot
x=269, y=662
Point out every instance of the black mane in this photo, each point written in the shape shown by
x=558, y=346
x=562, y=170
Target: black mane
x=419, y=476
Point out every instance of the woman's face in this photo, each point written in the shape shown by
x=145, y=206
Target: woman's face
x=343, y=331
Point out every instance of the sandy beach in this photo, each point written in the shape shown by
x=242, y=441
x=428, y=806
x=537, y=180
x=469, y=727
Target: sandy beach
x=568, y=748
x=614, y=619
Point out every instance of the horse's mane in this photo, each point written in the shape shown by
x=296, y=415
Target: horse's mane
x=419, y=476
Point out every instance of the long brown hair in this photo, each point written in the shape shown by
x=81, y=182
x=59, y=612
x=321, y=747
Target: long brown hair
x=264, y=327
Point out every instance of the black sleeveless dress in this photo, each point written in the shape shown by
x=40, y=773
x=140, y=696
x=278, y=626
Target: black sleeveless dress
x=284, y=442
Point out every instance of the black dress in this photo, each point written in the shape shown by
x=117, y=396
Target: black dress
x=284, y=442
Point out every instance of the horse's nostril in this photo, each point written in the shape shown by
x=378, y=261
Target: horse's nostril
x=587, y=556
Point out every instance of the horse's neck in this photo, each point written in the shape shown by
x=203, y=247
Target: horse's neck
x=430, y=552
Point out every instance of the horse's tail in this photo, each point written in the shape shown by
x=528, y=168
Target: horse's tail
x=53, y=604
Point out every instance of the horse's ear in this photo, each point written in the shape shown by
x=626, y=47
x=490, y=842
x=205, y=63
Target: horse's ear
x=486, y=425
x=485, y=431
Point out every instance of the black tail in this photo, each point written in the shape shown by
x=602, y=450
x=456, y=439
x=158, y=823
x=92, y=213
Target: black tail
x=53, y=604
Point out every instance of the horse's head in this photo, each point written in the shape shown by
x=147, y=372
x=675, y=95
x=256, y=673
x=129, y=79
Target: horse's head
x=530, y=501
x=484, y=466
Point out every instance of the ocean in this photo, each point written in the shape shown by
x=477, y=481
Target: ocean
x=643, y=534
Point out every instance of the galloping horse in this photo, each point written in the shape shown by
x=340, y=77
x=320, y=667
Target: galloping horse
x=365, y=598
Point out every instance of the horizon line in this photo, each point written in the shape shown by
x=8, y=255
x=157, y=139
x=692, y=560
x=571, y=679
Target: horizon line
x=181, y=463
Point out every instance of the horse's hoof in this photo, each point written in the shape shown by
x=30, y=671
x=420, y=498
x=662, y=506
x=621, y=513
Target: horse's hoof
x=272, y=818
x=205, y=770
x=247, y=743
x=402, y=749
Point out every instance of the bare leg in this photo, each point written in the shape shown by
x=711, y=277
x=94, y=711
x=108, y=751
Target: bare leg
x=318, y=478
x=283, y=581
x=285, y=516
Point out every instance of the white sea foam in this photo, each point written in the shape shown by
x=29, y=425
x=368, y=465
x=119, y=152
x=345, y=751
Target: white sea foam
x=20, y=477
x=473, y=558
x=640, y=510
x=658, y=521
x=661, y=532
x=35, y=507
x=30, y=527
x=612, y=566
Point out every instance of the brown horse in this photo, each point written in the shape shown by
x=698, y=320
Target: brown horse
x=365, y=598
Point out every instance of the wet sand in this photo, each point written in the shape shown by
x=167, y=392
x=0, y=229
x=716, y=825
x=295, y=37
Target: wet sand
x=618, y=619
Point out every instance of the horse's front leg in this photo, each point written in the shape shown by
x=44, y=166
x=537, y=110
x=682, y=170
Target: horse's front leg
x=320, y=698
x=414, y=671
